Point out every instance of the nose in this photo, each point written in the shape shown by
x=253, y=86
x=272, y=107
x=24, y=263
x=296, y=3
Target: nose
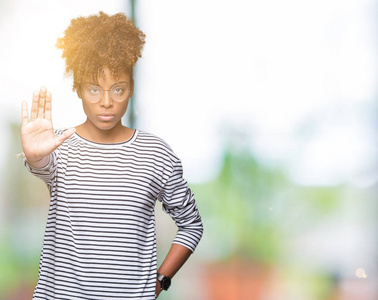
x=106, y=100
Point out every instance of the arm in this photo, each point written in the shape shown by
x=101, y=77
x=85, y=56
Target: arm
x=175, y=259
x=37, y=134
x=178, y=201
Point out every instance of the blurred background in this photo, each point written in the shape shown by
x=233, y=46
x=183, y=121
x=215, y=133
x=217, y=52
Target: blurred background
x=272, y=107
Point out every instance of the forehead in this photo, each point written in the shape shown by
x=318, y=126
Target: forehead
x=106, y=78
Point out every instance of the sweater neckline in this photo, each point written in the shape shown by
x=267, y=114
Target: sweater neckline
x=108, y=145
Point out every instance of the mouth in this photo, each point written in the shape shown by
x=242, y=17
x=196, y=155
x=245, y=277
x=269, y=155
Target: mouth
x=105, y=117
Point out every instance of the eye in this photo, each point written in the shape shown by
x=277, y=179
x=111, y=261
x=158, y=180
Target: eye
x=118, y=89
x=93, y=90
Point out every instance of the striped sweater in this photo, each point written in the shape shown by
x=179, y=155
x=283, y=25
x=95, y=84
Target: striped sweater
x=100, y=240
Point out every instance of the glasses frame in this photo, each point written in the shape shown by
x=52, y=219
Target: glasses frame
x=103, y=92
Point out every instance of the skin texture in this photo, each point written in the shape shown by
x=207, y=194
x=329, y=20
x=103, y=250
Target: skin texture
x=37, y=134
x=39, y=140
x=97, y=127
x=174, y=260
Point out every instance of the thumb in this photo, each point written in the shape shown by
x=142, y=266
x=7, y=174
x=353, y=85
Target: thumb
x=65, y=135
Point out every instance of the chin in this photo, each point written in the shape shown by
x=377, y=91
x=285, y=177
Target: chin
x=106, y=127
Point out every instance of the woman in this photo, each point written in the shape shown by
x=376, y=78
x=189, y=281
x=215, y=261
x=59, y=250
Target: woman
x=104, y=178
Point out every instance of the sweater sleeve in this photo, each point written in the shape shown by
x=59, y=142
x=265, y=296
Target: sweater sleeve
x=178, y=201
x=47, y=173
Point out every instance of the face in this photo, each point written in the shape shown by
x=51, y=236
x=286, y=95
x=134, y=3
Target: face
x=107, y=113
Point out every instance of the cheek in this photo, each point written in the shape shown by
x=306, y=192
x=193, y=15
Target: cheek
x=123, y=107
x=87, y=109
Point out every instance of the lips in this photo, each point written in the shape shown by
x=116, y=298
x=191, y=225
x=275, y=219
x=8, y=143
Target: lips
x=105, y=117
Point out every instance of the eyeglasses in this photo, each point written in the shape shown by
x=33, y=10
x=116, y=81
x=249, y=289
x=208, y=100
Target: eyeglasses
x=119, y=92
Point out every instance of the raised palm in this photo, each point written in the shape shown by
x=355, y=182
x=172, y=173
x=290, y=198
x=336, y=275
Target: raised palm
x=37, y=134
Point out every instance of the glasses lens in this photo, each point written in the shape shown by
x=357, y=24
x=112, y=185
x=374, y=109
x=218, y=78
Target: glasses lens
x=119, y=92
x=93, y=93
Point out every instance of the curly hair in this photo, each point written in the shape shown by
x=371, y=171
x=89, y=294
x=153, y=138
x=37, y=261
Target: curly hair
x=91, y=43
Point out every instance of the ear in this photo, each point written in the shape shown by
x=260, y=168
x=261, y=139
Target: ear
x=78, y=92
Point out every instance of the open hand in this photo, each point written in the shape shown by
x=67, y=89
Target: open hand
x=37, y=134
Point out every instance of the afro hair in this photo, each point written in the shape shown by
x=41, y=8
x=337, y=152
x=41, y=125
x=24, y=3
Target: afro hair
x=91, y=43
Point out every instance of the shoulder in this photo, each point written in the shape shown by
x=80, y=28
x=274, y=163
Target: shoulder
x=152, y=142
x=150, y=138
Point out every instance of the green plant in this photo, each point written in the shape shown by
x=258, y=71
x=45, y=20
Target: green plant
x=249, y=210
x=238, y=208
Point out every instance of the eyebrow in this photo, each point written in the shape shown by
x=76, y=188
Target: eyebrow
x=96, y=84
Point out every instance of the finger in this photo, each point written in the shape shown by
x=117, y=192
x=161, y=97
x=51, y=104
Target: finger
x=34, y=109
x=41, y=103
x=48, y=106
x=24, y=112
x=65, y=135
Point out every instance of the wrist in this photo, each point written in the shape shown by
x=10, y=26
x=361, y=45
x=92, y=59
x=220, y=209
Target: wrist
x=164, y=281
x=38, y=163
x=33, y=160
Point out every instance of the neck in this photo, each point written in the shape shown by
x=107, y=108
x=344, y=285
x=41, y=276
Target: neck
x=117, y=134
